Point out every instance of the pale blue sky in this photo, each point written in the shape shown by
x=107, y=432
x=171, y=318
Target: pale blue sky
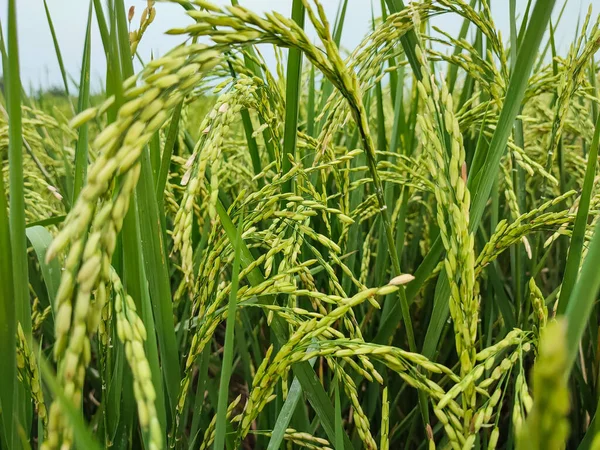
x=38, y=60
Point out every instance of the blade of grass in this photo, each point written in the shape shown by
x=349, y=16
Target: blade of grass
x=119, y=403
x=8, y=369
x=152, y=249
x=310, y=105
x=326, y=85
x=408, y=40
x=252, y=146
x=46, y=222
x=133, y=273
x=157, y=267
x=339, y=429
x=502, y=300
x=579, y=228
x=81, y=151
x=287, y=412
x=115, y=403
x=102, y=27
x=228, y=348
x=391, y=61
x=583, y=297
x=155, y=156
x=518, y=173
x=462, y=34
x=16, y=180
x=59, y=57
x=399, y=126
x=136, y=285
x=292, y=97
x=339, y=22
x=522, y=28
x=40, y=239
x=152, y=349
x=200, y=390
x=480, y=181
x=242, y=347
x=382, y=261
x=542, y=55
x=17, y=205
x=165, y=163
x=356, y=197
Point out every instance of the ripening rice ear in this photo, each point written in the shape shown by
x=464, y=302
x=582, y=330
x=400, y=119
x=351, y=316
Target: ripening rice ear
x=401, y=279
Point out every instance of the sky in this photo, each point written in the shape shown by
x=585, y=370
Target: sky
x=39, y=67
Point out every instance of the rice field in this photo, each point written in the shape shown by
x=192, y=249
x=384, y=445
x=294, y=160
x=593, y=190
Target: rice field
x=393, y=246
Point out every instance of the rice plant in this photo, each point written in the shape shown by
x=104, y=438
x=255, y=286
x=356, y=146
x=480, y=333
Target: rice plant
x=389, y=247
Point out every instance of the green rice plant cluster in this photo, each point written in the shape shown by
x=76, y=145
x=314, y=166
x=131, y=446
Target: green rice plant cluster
x=386, y=247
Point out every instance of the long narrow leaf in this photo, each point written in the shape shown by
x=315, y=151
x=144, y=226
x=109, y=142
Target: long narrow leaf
x=228, y=347
x=292, y=102
x=81, y=151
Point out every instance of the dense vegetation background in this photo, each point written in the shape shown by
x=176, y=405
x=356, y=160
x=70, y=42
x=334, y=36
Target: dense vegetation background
x=392, y=248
